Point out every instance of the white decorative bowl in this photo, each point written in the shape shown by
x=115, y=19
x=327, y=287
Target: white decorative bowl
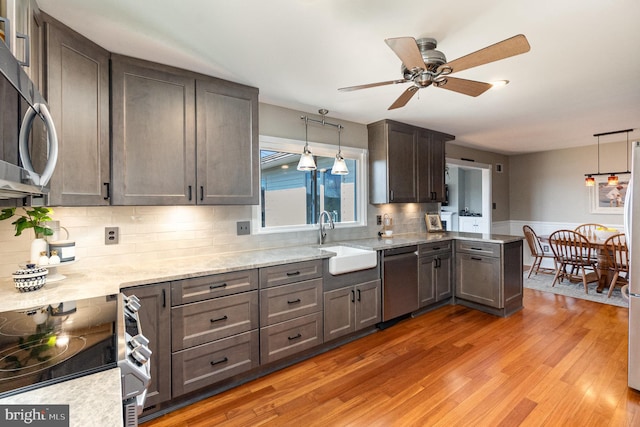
x=30, y=278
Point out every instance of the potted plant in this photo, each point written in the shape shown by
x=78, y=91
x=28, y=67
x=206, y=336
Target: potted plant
x=35, y=218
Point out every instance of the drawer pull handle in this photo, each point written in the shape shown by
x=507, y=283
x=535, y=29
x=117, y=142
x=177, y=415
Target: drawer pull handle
x=224, y=285
x=294, y=273
x=295, y=337
x=295, y=301
x=219, y=319
x=437, y=248
x=476, y=249
x=476, y=258
x=217, y=362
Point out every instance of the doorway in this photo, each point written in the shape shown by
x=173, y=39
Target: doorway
x=469, y=188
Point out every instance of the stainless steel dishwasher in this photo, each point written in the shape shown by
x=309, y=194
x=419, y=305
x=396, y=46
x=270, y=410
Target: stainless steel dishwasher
x=400, y=282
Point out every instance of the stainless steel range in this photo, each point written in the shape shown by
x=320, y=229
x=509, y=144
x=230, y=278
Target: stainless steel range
x=57, y=342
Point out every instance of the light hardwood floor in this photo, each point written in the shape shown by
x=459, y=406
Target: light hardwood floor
x=559, y=362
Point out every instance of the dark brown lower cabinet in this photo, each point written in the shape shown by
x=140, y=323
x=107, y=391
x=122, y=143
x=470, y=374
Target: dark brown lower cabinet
x=155, y=320
x=351, y=309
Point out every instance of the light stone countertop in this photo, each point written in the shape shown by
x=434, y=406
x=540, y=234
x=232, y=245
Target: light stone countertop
x=82, y=393
x=94, y=400
x=103, y=280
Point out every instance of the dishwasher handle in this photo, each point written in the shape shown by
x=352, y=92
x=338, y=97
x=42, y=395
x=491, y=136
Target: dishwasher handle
x=404, y=250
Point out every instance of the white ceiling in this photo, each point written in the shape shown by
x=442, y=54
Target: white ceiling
x=581, y=77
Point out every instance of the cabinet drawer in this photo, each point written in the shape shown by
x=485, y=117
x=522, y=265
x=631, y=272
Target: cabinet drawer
x=289, y=273
x=290, y=337
x=218, y=285
x=205, y=321
x=480, y=248
x=435, y=247
x=289, y=301
x=207, y=364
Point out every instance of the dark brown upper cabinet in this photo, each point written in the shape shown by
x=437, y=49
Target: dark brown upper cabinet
x=78, y=95
x=406, y=163
x=181, y=138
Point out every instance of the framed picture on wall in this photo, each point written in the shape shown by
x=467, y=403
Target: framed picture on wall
x=433, y=222
x=609, y=199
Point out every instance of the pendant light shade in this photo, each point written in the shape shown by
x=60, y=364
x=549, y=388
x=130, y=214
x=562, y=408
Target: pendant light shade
x=590, y=181
x=612, y=180
x=306, y=162
x=339, y=165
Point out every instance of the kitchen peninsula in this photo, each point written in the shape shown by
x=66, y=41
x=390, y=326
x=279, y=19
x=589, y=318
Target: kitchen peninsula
x=285, y=274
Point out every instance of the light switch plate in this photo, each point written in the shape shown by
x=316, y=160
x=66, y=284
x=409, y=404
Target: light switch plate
x=244, y=227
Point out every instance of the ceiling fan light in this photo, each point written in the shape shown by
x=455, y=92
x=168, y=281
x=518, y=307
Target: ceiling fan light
x=590, y=181
x=306, y=162
x=612, y=180
x=499, y=84
x=339, y=166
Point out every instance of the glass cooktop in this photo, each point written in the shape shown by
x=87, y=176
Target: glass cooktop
x=52, y=343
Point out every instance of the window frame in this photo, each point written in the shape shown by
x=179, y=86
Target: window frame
x=360, y=155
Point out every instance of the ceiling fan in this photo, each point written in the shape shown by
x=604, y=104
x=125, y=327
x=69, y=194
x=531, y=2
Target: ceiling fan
x=424, y=66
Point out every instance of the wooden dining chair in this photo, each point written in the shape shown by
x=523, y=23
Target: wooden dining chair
x=573, y=255
x=588, y=229
x=538, y=253
x=617, y=256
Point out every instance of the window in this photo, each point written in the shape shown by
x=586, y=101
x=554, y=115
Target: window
x=291, y=200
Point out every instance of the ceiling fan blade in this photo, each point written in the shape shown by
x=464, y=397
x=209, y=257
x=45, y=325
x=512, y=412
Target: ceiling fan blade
x=466, y=87
x=501, y=50
x=407, y=50
x=404, y=98
x=390, y=82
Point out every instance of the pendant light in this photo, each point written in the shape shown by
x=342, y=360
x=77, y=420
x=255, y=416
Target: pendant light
x=339, y=165
x=306, y=162
x=612, y=179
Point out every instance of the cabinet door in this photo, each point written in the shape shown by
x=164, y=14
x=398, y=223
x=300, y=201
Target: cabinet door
x=339, y=313
x=227, y=141
x=155, y=320
x=478, y=279
x=78, y=95
x=443, y=276
x=401, y=152
x=153, y=126
x=426, y=280
x=368, y=307
x=466, y=224
x=436, y=167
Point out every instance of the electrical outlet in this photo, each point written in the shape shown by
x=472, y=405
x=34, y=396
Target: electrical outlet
x=545, y=248
x=379, y=219
x=111, y=235
x=243, y=227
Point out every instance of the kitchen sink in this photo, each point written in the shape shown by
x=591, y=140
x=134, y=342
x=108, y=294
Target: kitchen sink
x=348, y=259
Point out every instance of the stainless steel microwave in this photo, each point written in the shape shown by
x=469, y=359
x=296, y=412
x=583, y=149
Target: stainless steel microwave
x=28, y=141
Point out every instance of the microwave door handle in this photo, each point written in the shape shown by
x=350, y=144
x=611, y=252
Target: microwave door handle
x=52, y=141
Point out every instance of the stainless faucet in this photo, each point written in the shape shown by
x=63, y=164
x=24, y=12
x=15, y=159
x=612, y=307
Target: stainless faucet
x=323, y=233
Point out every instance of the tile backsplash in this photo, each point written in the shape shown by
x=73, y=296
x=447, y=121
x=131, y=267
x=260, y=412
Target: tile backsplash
x=161, y=232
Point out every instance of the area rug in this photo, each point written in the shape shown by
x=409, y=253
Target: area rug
x=542, y=282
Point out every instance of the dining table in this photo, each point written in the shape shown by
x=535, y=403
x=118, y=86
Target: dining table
x=599, y=244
